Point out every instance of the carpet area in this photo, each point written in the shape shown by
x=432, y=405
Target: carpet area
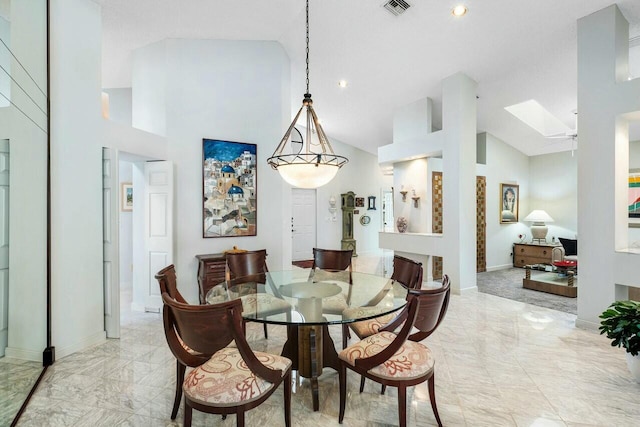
x=508, y=284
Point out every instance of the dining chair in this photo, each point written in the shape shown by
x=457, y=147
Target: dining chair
x=244, y=265
x=225, y=379
x=408, y=273
x=167, y=280
x=399, y=359
x=333, y=264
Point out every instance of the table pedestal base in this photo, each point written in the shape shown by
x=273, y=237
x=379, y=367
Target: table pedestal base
x=310, y=349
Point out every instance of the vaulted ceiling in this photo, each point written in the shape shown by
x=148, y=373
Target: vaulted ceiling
x=516, y=51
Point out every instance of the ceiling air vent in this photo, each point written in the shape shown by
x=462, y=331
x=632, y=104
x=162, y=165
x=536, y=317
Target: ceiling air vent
x=397, y=7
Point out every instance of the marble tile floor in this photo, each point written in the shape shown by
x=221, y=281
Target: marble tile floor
x=498, y=363
x=16, y=379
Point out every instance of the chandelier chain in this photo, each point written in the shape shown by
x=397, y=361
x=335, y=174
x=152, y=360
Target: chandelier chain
x=307, y=46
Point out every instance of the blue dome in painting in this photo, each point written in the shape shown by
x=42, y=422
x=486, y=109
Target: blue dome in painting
x=235, y=190
x=228, y=169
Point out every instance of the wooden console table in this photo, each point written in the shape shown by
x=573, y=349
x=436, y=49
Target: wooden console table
x=211, y=269
x=529, y=254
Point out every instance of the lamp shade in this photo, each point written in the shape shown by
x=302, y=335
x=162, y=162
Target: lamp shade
x=538, y=216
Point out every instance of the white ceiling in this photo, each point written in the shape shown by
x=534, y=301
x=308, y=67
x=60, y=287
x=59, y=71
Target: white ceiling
x=526, y=52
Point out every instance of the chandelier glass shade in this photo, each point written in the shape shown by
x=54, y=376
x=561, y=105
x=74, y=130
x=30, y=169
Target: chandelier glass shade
x=310, y=161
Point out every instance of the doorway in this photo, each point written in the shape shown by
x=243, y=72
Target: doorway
x=387, y=211
x=303, y=224
x=138, y=218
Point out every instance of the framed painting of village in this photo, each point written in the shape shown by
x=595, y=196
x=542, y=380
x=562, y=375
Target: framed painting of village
x=229, y=183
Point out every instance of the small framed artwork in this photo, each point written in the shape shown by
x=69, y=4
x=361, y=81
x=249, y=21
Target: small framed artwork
x=126, y=197
x=509, y=203
x=229, y=182
x=634, y=198
x=359, y=202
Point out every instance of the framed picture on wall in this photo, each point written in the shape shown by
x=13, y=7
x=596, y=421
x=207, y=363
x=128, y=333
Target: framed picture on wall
x=634, y=198
x=229, y=188
x=509, y=203
x=359, y=202
x=126, y=197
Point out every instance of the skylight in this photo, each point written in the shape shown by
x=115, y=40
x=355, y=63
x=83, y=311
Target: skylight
x=537, y=117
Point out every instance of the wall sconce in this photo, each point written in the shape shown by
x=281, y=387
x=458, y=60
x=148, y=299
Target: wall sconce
x=404, y=193
x=332, y=207
x=415, y=199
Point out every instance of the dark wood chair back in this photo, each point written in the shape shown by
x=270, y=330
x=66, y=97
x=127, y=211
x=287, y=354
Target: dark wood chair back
x=407, y=272
x=424, y=311
x=248, y=263
x=432, y=308
x=332, y=259
x=167, y=280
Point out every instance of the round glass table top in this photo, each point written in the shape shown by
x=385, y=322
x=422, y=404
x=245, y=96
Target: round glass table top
x=305, y=297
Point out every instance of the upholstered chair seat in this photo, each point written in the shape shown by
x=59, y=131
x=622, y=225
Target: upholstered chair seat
x=411, y=360
x=406, y=272
x=367, y=327
x=225, y=379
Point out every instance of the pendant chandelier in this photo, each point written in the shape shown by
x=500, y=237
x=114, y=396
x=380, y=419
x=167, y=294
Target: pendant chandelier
x=310, y=162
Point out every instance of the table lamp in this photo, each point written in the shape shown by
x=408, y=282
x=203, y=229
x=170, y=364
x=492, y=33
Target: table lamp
x=538, y=228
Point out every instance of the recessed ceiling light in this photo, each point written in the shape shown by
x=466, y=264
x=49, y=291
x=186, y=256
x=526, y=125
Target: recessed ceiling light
x=459, y=10
x=342, y=83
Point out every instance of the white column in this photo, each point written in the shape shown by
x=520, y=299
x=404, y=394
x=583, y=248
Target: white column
x=604, y=95
x=459, y=180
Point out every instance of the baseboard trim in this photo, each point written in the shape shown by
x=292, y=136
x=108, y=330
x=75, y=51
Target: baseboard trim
x=22, y=354
x=585, y=324
x=91, y=340
x=464, y=291
x=500, y=267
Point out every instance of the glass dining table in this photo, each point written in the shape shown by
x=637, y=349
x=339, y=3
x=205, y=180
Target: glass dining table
x=307, y=304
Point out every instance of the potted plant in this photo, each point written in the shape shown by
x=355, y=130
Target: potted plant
x=621, y=323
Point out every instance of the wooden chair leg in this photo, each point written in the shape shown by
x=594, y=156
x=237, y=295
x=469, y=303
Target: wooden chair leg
x=180, y=369
x=345, y=333
x=383, y=389
x=266, y=335
x=362, y=379
x=402, y=405
x=342, y=379
x=432, y=397
x=187, y=414
x=287, y=400
x=240, y=419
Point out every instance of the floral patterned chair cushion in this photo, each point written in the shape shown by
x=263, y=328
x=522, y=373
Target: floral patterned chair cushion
x=264, y=304
x=412, y=360
x=370, y=326
x=225, y=380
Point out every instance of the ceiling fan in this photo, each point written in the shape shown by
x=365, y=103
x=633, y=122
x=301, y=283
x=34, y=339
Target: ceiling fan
x=549, y=126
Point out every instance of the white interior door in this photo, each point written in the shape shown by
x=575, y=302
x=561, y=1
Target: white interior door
x=387, y=211
x=4, y=244
x=158, y=201
x=303, y=223
x=110, y=255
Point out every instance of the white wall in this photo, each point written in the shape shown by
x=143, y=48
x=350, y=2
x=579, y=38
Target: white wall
x=229, y=90
x=76, y=177
x=553, y=180
x=119, y=105
x=5, y=62
x=363, y=176
x=505, y=164
x=413, y=175
x=605, y=95
x=27, y=197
